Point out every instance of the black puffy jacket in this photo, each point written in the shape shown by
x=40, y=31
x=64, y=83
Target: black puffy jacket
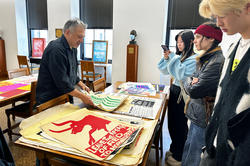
x=208, y=74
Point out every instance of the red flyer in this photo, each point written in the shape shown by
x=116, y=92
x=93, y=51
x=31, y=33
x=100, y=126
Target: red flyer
x=38, y=47
x=93, y=134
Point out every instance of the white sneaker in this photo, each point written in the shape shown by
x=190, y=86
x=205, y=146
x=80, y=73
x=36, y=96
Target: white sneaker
x=172, y=162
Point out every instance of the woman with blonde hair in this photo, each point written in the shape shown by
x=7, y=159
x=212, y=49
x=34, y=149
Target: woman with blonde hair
x=228, y=133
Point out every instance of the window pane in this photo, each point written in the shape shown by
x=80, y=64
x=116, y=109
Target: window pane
x=110, y=53
x=99, y=34
x=88, y=50
x=109, y=35
x=172, y=42
x=89, y=34
x=39, y=34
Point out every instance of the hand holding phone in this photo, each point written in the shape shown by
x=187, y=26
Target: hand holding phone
x=164, y=47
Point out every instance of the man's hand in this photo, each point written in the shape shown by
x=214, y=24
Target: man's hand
x=87, y=100
x=83, y=86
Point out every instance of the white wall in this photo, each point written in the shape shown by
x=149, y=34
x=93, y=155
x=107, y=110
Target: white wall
x=58, y=14
x=147, y=17
x=8, y=28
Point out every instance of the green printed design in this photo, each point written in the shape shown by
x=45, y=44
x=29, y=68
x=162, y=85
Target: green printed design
x=96, y=100
x=107, y=102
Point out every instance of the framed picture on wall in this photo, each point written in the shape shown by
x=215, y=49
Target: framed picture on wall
x=100, y=51
x=38, y=47
x=59, y=33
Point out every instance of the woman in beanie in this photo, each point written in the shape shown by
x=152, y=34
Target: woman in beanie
x=179, y=66
x=201, y=87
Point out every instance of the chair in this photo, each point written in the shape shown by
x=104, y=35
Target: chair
x=99, y=85
x=18, y=73
x=23, y=110
x=55, y=161
x=53, y=102
x=88, y=71
x=158, y=138
x=23, y=62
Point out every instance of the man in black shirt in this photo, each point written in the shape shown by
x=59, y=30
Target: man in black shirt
x=58, y=68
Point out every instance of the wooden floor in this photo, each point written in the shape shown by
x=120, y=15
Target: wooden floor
x=25, y=157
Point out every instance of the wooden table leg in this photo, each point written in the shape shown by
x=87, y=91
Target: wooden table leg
x=42, y=158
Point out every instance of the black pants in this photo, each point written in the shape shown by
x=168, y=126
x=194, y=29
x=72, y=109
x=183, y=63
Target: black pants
x=177, y=123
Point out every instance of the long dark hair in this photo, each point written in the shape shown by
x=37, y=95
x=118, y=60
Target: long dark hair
x=188, y=38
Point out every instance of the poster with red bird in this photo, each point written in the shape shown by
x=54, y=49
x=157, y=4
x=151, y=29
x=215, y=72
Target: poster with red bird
x=93, y=134
x=38, y=47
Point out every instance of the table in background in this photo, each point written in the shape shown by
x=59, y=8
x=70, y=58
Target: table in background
x=15, y=89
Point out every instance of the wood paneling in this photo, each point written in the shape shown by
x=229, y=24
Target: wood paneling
x=132, y=62
x=3, y=69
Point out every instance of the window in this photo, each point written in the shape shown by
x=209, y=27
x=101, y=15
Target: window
x=39, y=34
x=37, y=21
x=98, y=15
x=182, y=15
x=185, y=14
x=97, y=34
x=172, y=42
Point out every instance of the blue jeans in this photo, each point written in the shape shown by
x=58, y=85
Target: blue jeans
x=193, y=147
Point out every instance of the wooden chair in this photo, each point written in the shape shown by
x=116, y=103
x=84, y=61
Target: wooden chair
x=55, y=161
x=23, y=110
x=18, y=73
x=99, y=85
x=158, y=138
x=88, y=71
x=53, y=102
x=23, y=62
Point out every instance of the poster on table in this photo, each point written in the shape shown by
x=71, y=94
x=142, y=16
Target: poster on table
x=95, y=135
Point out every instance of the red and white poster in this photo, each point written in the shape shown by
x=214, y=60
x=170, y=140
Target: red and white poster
x=38, y=47
x=93, y=134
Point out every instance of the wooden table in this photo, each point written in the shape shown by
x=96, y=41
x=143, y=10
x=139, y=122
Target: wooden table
x=15, y=89
x=45, y=155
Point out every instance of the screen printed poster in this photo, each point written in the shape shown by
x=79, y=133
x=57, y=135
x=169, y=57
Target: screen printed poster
x=95, y=135
x=38, y=47
x=100, y=51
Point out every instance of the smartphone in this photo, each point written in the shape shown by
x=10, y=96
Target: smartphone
x=164, y=47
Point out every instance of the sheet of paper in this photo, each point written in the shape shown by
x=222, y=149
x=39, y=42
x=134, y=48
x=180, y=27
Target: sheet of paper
x=143, y=107
x=137, y=88
x=132, y=156
x=102, y=134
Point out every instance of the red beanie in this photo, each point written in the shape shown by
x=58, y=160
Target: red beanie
x=209, y=31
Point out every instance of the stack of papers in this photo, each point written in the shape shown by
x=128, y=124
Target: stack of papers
x=132, y=156
x=103, y=136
